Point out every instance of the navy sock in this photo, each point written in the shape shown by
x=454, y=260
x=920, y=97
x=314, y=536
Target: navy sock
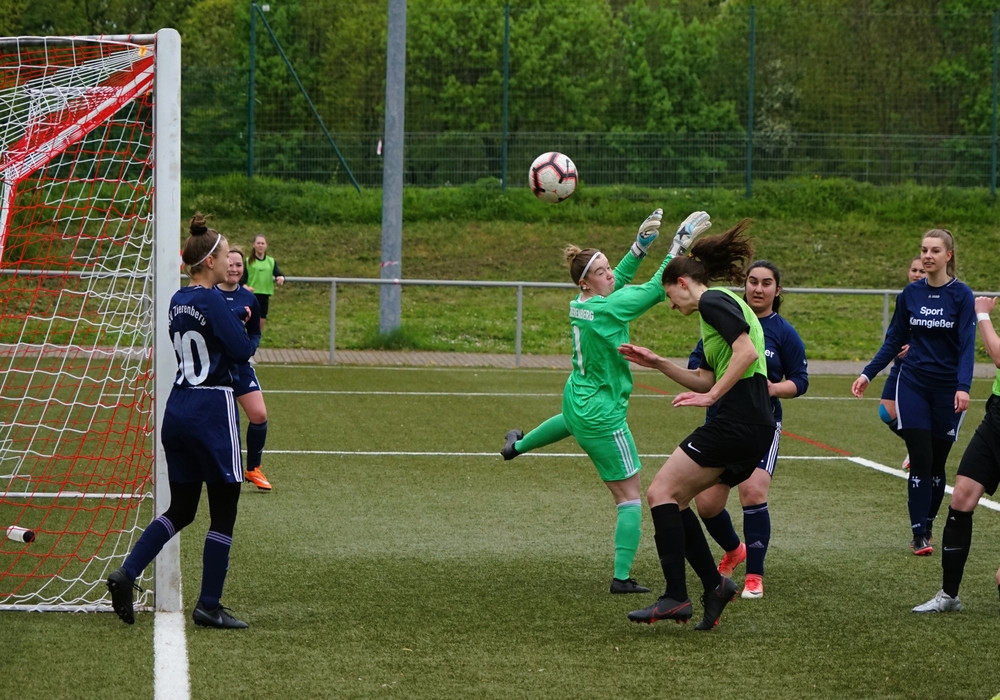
x=757, y=531
x=256, y=437
x=720, y=527
x=918, y=485
x=215, y=565
x=156, y=534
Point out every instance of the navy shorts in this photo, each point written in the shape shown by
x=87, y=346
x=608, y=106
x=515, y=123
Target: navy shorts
x=736, y=447
x=201, y=436
x=246, y=382
x=981, y=459
x=771, y=457
x=930, y=408
x=889, y=390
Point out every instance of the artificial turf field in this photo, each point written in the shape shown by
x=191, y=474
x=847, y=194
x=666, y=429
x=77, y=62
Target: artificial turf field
x=400, y=556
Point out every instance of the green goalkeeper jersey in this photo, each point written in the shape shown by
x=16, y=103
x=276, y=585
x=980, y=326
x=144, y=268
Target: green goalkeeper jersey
x=595, y=399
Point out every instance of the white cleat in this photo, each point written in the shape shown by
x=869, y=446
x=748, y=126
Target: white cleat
x=941, y=602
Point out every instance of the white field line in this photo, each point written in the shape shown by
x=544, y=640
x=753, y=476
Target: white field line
x=170, y=658
x=520, y=395
x=861, y=461
x=171, y=681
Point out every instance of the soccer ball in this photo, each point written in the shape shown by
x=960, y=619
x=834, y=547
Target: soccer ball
x=552, y=177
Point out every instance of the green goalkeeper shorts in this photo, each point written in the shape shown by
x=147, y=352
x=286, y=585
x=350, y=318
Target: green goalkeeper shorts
x=614, y=455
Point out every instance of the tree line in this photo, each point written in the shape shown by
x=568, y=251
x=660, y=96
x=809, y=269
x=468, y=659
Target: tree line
x=899, y=67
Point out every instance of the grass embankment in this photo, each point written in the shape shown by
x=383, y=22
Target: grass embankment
x=822, y=233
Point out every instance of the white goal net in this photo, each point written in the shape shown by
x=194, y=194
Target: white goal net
x=89, y=240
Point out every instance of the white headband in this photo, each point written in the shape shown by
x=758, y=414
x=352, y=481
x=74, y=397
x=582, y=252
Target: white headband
x=215, y=245
x=587, y=266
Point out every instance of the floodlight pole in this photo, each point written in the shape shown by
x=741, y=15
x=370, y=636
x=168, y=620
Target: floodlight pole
x=392, y=168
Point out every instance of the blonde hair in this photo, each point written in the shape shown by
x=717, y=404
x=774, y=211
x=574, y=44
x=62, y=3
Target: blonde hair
x=579, y=260
x=948, y=239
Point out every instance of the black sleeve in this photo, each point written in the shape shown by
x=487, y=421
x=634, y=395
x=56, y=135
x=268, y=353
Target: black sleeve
x=723, y=313
x=277, y=271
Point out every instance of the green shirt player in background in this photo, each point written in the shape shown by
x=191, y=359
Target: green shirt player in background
x=595, y=399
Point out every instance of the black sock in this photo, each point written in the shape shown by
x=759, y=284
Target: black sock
x=955, y=549
x=697, y=552
x=669, y=538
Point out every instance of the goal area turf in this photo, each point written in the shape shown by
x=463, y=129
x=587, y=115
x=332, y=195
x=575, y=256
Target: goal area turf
x=398, y=554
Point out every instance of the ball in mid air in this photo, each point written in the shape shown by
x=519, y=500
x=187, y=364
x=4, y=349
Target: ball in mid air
x=552, y=177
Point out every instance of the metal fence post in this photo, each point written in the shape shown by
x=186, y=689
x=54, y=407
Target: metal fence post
x=753, y=40
x=333, y=322
x=517, y=330
x=885, y=314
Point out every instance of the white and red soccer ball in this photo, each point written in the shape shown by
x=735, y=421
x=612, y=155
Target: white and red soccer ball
x=552, y=177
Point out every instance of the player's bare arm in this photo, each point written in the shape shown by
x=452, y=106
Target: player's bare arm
x=744, y=355
x=694, y=379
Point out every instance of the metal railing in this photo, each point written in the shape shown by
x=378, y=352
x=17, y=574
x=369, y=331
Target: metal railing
x=886, y=295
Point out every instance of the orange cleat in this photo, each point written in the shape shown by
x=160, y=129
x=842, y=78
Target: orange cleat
x=257, y=478
x=753, y=587
x=732, y=559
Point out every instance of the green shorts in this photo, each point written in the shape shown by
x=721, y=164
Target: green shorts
x=614, y=455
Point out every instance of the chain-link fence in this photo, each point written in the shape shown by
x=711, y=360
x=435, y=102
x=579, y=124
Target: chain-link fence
x=700, y=95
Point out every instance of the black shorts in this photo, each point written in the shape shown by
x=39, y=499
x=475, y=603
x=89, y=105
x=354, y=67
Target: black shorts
x=262, y=300
x=981, y=459
x=736, y=447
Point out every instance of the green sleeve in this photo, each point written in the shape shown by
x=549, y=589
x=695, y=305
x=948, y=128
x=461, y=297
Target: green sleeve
x=626, y=269
x=629, y=303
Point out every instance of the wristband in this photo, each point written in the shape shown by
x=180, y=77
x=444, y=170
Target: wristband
x=982, y=317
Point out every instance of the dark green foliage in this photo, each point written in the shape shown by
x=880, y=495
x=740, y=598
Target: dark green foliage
x=639, y=92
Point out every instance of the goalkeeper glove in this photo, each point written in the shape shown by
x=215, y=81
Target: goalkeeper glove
x=648, y=232
x=697, y=223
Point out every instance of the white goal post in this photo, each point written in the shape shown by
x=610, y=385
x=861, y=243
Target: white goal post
x=89, y=258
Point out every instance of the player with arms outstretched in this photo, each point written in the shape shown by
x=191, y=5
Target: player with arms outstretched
x=200, y=432
x=595, y=398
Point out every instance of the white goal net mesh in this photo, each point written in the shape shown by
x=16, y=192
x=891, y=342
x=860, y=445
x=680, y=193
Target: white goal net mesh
x=76, y=315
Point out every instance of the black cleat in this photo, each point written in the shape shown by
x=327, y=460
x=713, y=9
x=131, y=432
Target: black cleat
x=715, y=602
x=121, y=587
x=219, y=618
x=921, y=546
x=627, y=585
x=663, y=609
x=508, y=450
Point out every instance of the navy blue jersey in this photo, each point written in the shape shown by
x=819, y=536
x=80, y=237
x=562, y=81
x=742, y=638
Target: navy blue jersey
x=939, y=323
x=238, y=299
x=209, y=340
x=784, y=352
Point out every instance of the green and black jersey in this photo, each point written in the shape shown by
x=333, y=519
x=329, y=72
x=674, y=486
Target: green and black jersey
x=724, y=317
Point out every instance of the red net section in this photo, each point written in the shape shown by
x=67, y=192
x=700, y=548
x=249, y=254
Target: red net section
x=76, y=305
